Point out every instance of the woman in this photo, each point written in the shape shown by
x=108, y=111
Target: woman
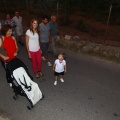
x=33, y=47
x=10, y=22
x=8, y=43
x=8, y=48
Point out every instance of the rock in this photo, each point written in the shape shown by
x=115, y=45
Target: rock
x=76, y=38
x=68, y=37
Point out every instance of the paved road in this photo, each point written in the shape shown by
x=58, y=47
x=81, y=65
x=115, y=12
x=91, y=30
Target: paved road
x=91, y=91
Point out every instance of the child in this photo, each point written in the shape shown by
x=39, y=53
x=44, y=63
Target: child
x=59, y=67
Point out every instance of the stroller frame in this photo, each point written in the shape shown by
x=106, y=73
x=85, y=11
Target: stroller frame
x=17, y=89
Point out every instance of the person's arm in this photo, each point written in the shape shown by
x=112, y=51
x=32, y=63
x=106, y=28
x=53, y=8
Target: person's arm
x=39, y=43
x=4, y=57
x=1, y=55
x=54, y=67
x=27, y=46
x=65, y=68
x=15, y=54
x=50, y=37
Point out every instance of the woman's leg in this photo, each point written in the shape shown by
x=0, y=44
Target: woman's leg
x=33, y=59
x=39, y=60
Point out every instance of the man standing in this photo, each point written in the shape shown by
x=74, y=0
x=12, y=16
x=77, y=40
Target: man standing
x=54, y=31
x=45, y=38
x=19, y=29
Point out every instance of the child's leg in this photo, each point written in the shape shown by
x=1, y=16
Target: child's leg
x=56, y=78
x=61, y=77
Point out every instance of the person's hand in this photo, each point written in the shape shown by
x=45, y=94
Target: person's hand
x=5, y=57
x=41, y=51
x=15, y=54
x=29, y=55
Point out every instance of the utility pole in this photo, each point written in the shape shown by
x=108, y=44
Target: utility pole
x=108, y=22
x=5, y=6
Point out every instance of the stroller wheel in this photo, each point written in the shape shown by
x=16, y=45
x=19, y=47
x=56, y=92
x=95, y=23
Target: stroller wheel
x=28, y=107
x=15, y=97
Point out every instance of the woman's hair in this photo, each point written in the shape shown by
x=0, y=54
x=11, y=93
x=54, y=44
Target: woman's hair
x=31, y=27
x=5, y=29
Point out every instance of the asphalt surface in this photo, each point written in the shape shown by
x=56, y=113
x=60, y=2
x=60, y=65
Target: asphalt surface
x=91, y=91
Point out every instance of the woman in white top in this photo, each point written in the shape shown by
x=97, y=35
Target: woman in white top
x=33, y=47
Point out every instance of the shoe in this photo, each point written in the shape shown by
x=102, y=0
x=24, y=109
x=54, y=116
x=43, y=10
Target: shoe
x=10, y=84
x=37, y=76
x=43, y=58
x=61, y=80
x=41, y=74
x=49, y=64
x=55, y=83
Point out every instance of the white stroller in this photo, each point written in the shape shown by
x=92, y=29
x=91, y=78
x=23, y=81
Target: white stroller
x=22, y=83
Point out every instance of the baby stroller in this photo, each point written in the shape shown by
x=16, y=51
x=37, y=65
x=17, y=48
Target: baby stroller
x=22, y=82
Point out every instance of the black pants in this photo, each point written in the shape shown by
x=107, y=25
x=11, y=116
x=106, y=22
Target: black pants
x=8, y=76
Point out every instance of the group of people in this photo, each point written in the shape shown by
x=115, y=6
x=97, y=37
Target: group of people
x=39, y=39
x=16, y=24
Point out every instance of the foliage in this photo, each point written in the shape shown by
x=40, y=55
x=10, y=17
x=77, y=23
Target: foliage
x=99, y=8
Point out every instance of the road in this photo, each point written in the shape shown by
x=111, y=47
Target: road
x=91, y=91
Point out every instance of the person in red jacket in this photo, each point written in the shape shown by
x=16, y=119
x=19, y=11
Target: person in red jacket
x=8, y=44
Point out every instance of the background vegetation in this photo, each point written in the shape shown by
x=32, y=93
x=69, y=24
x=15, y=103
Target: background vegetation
x=98, y=9
x=80, y=15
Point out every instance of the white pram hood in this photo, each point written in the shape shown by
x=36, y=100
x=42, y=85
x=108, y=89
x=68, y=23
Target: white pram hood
x=21, y=76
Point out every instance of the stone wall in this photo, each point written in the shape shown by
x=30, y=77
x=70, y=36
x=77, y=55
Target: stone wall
x=95, y=49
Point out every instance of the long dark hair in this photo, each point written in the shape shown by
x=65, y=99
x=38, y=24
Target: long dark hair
x=4, y=29
x=31, y=27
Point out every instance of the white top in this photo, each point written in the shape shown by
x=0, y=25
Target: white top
x=33, y=41
x=18, y=21
x=59, y=66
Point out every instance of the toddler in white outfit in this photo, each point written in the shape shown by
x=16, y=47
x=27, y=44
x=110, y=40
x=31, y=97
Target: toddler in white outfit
x=59, y=67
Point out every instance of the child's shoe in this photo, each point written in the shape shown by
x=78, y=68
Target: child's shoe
x=55, y=83
x=61, y=79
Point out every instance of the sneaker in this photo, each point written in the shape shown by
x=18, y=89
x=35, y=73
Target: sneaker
x=61, y=80
x=10, y=84
x=55, y=83
x=43, y=58
x=49, y=64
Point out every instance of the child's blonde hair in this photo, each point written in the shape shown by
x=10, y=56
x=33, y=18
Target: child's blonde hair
x=63, y=55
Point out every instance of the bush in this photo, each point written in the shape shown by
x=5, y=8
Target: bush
x=81, y=26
